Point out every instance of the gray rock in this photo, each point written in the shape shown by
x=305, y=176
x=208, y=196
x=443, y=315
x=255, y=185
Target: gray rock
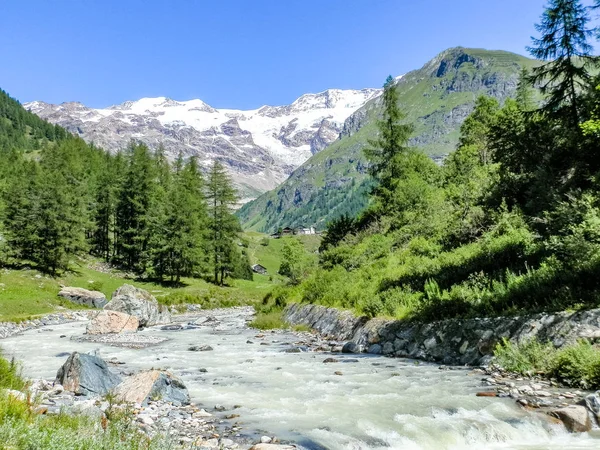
x=351, y=347
x=139, y=303
x=200, y=348
x=375, y=349
x=92, y=299
x=592, y=403
x=575, y=418
x=86, y=375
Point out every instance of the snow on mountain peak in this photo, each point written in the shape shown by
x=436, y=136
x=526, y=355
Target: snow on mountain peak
x=261, y=147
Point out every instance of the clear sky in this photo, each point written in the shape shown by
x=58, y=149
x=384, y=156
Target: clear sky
x=237, y=53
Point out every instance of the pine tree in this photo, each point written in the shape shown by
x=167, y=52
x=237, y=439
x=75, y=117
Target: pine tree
x=179, y=249
x=564, y=45
x=133, y=206
x=524, y=94
x=385, y=152
x=103, y=209
x=223, y=225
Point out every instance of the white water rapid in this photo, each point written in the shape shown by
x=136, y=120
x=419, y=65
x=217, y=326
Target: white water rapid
x=377, y=402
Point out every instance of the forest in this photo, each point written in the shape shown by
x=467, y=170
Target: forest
x=510, y=223
x=61, y=199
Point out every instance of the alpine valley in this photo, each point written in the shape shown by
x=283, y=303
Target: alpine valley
x=436, y=99
x=303, y=161
x=259, y=147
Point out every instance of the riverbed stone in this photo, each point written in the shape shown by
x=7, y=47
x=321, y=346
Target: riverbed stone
x=351, y=347
x=139, y=303
x=592, y=403
x=108, y=322
x=575, y=418
x=374, y=349
x=85, y=374
x=92, y=299
x=153, y=385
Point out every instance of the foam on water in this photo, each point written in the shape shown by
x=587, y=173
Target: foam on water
x=377, y=403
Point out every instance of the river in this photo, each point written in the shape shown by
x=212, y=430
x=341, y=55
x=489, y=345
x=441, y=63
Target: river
x=376, y=402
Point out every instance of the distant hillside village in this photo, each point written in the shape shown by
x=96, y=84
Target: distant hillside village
x=287, y=231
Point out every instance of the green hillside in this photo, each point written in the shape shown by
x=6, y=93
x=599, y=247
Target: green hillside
x=436, y=98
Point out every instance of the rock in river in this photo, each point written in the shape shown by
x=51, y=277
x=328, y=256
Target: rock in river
x=153, y=385
x=351, y=347
x=86, y=375
x=139, y=303
x=108, y=322
x=93, y=299
x=575, y=418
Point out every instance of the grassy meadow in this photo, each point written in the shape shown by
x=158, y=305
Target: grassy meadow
x=26, y=293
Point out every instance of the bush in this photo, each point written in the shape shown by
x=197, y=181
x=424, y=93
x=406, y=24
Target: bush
x=576, y=365
x=526, y=357
x=10, y=375
x=95, y=286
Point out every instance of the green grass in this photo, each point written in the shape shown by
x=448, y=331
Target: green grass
x=22, y=429
x=269, y=321
x=576, y=365
x=27, y=293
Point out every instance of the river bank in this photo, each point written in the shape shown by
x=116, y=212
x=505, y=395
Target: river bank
x=291, y=386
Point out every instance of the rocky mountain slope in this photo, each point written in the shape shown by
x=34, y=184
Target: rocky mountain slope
x=260, y=147
x=437, y=98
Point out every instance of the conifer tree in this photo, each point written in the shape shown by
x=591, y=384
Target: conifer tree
x=223, y=225
x=179, y=250
x=564, y=46
x=524, y=94
x=385, y=152
x=133, y=206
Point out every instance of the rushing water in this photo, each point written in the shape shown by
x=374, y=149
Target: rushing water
x=378, y=403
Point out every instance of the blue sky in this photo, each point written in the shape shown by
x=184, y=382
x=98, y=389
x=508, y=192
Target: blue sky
x=237, y=54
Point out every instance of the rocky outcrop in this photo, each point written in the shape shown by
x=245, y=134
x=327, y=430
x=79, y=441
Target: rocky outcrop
x=108, y=322
x=139, y=303
x=92, y=299
x=86, y=375
x=153, y=385
x=452, y=342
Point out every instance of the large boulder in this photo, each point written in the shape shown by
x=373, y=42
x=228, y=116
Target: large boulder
x=153, y=385
x=86, y=375
x=139, y=303
x=575, y=418
x=93, y=299
x=110, y=322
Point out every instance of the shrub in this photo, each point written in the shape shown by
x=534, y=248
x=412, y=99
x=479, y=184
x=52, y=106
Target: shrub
x=578, y=365
x=10, y=375
x=525, y=357
x=95, y=286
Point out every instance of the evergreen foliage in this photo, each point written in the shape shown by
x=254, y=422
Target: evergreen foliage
x=223, y=225
x=508, y=224
x=61, y=198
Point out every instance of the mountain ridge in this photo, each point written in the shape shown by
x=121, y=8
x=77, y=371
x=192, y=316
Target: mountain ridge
x=260, y=147
x=436, y=98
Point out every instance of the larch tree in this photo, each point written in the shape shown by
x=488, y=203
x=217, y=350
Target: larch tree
x=223, y=225
x=563, y=45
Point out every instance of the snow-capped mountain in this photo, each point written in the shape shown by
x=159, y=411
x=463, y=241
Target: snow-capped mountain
x=260, y=147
